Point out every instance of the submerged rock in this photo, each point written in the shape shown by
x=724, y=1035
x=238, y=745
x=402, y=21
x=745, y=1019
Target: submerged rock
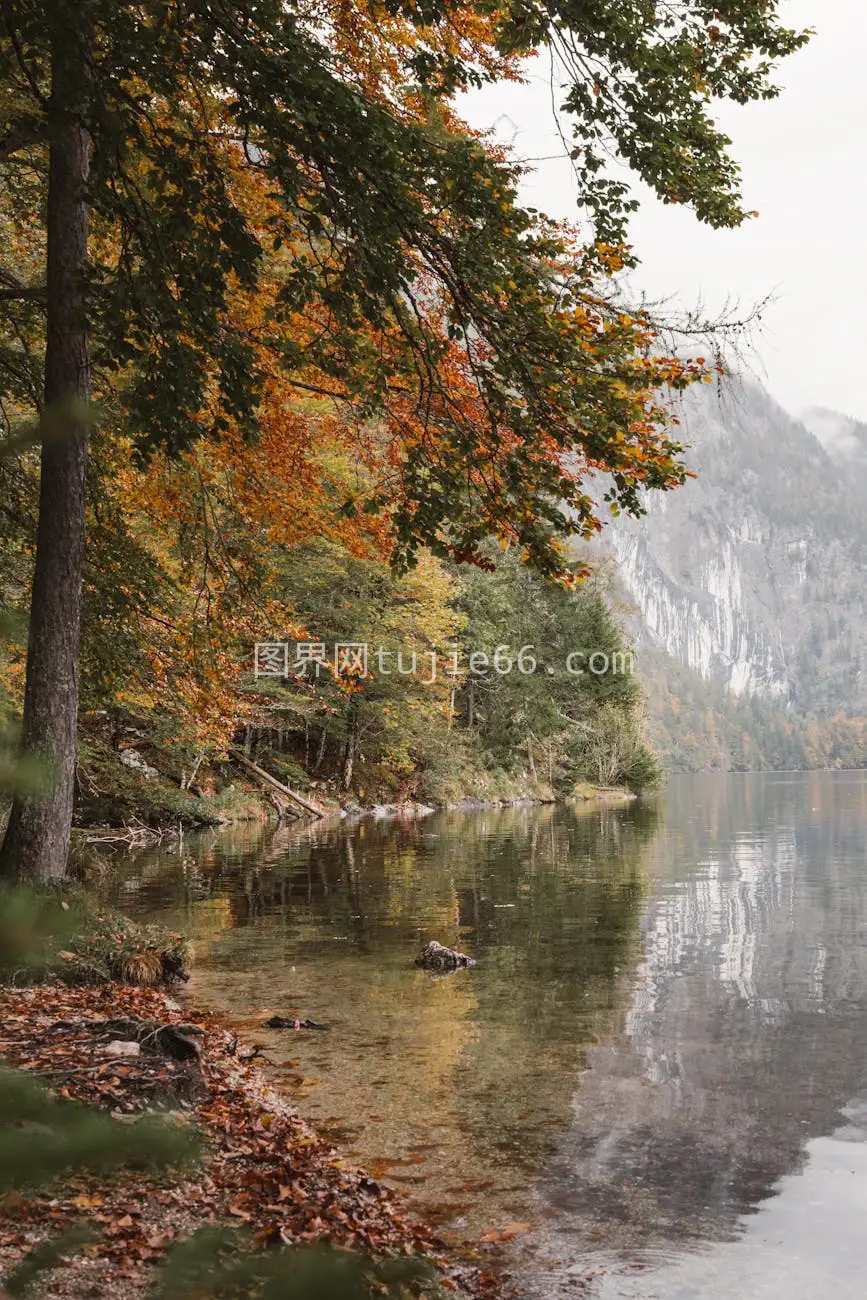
x=292, y=1022
x=437, y=957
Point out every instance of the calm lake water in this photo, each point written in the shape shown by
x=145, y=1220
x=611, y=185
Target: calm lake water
x=655, y=1080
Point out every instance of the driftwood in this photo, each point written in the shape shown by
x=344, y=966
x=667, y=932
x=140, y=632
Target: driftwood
x=292, y=1022
x=134, y=833
x=180, y=1042
x=274, y=784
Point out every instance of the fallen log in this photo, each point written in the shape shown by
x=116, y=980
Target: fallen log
x=313, y=809
x=286, y=810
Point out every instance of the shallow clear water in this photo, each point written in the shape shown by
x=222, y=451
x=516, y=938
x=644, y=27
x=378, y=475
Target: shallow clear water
x=656, y=1076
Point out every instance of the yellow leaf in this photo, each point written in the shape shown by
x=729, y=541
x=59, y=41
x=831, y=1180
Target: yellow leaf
x=89, y=1202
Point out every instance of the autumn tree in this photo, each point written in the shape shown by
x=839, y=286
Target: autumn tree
x=414, y=290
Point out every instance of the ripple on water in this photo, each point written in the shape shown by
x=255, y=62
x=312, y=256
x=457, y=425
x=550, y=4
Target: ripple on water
x=602, y=1273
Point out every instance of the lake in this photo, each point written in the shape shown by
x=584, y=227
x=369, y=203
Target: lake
x=654, y=1082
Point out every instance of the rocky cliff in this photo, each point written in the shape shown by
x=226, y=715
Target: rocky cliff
x=754, y=575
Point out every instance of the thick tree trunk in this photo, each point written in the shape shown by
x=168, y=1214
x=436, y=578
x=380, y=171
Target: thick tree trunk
x=37, y=838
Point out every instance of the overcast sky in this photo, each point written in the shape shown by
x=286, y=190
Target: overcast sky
x=803, y=158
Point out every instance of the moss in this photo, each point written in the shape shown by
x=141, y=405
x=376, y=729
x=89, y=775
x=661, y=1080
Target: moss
x=115, y=796
x=111, y=947
x=48, y=935
x=108, y=793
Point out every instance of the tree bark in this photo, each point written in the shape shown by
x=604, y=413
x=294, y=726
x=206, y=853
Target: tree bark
x=349, y=749
x=37, y=838
x=348, y=761
x=320, y=753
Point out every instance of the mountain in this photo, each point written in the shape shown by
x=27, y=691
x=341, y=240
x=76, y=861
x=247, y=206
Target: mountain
x=843, y=438
x=753, y=577
x=755, y=573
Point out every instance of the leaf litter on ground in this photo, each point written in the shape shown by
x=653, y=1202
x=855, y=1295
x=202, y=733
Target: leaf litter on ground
x=262, y=1168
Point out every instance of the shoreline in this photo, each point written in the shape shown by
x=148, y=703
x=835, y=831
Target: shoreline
x=135, y=832
x=134, y=792
x=265, y=1168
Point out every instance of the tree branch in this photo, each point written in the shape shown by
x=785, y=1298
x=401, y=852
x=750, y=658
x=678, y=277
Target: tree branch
x=29, y=75
x=24, y=292
x=19, y=135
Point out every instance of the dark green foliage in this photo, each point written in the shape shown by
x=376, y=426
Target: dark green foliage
x=33, y=924
x=46, y=934
x=576, y=717
x=24, y=1277
x=42, y=1138
x=218, y=1264
x=640, y=82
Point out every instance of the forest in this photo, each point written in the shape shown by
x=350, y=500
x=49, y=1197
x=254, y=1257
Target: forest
x=698, y=726
x=286, y=361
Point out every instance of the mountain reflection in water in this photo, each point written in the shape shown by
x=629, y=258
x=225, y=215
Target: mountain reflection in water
x=657, y=1063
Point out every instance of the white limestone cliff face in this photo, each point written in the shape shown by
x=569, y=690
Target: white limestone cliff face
x=709, y=629
x=754, y=574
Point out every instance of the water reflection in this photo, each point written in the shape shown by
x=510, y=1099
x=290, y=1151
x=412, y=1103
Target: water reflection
x=744, y=1040
x=657, y=1061
x=455, y=1088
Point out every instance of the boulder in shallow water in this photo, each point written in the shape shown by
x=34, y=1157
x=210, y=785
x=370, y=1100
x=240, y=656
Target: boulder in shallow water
x=437, y=957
